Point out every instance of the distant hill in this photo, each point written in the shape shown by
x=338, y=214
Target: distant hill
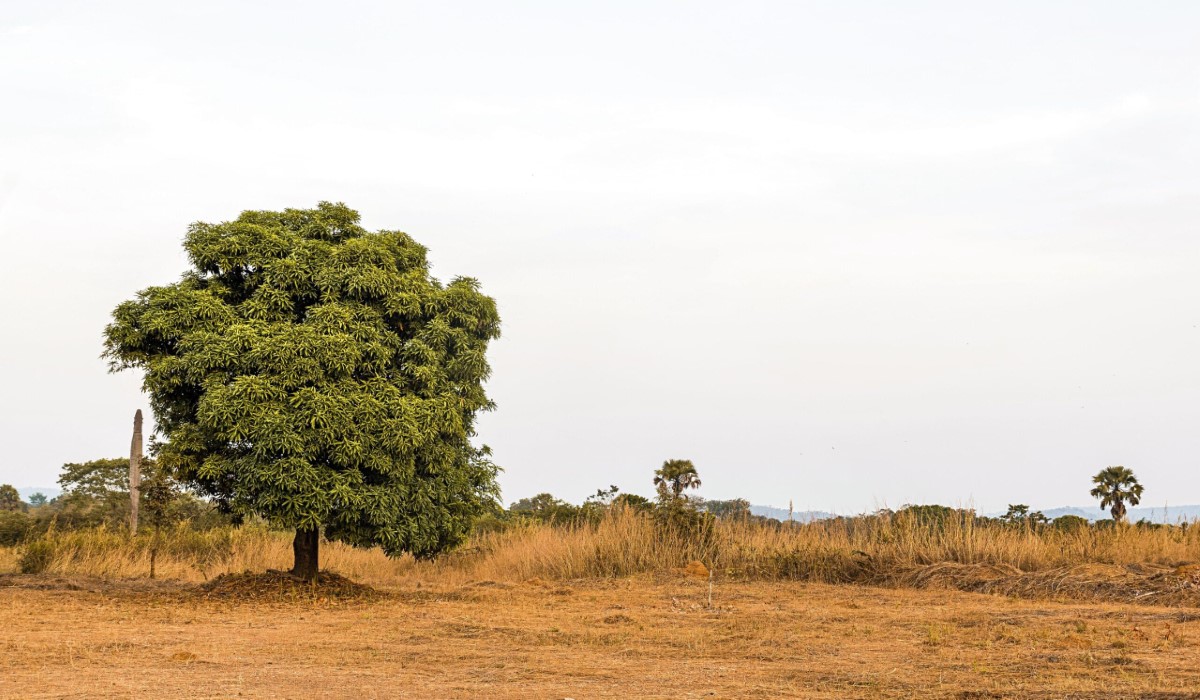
x=782, y=513
x=47, y=491
x=1157, y=514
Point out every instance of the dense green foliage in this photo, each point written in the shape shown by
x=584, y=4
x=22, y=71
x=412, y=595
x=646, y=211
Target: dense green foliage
x=633, y=501
x=1116, y=486
x=732, y=508
x=97, y=493
x=10, y=500
x=933, y=515
x=1019, y=514
x=674, y=477
x=102, y=478
x=1069, y=523
x=317, y=375
x=14, y=526
x=672, y=508
x=545, y=507
x=159, y=499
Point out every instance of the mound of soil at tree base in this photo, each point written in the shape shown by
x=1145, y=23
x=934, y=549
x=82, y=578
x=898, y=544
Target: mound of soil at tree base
x=1135, y=583
x=282, y=586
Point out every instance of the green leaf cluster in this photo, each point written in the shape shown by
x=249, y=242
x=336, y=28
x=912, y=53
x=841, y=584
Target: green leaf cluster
x=318, y=375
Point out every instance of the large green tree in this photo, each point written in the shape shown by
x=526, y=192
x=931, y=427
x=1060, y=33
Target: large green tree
x=318, y=375
x=1116, y=486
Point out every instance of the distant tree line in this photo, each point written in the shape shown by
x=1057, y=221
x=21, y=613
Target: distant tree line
x=96, y=493
x=1115, y=487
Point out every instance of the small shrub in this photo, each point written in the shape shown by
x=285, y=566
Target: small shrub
x=14, y=526
x=37, y=557
x=1069, y=523
x=493, y=522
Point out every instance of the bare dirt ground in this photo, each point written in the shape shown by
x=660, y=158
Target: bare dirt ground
x=633, y=638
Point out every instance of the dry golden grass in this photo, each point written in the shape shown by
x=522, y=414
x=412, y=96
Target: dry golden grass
x=898, y=551
x=185, y=555
x=644, y=636
x=9, y=557
x=867, y=549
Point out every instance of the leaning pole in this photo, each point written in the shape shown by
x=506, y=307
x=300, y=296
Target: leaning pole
x=135, y=472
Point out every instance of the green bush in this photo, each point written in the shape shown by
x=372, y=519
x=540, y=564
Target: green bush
x=37, y=557
x=546, y=508
x=1069, y=523
x=14, y=526
x=494, y=522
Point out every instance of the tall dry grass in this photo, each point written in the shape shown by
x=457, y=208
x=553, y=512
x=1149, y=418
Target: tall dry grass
x=186, y=554
x=625, y=542
x=859, y=549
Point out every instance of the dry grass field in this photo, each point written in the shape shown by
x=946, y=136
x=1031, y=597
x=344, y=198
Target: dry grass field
x=653, y=637
x=872, y=609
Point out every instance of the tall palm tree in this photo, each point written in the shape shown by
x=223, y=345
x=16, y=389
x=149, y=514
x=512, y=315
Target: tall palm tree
x=675, y=476
x=1116, y=486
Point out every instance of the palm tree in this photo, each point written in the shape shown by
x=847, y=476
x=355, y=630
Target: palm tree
x=1116, y=486
x=674, y=477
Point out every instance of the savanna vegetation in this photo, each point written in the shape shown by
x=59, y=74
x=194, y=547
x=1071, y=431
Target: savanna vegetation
x=312, y=377
x=316, y=392
x=554, y=599
x=613, y=535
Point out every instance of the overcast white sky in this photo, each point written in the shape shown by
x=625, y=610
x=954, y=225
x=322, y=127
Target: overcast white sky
x=847, y=253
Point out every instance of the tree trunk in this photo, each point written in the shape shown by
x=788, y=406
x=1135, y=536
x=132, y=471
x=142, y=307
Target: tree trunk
x=305, y=549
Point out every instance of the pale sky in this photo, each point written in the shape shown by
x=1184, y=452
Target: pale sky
x=847, y=253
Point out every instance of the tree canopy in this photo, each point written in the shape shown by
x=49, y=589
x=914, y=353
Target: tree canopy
x=541, y=504
x=97, y=491
x=674, y=477
x=1116, y=486
x=732, y=508
x=101, y=478
x=1019, y=514
x=318, y=375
